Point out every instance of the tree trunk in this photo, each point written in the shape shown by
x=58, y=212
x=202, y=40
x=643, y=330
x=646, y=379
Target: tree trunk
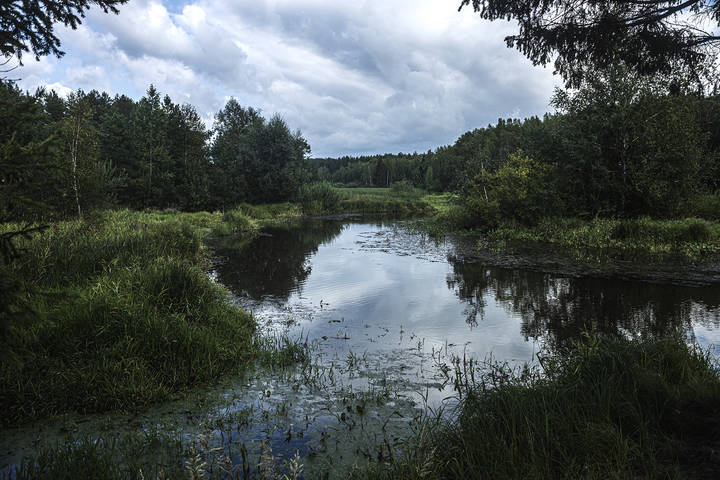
x=73, y=158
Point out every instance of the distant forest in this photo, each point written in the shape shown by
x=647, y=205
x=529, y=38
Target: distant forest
x=622, y=145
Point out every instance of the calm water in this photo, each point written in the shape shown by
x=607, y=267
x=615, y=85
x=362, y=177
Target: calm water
x=347, y=283
x=389, y=313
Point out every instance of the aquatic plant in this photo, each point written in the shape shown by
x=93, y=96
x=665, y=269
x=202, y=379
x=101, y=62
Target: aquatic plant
x=605, y=408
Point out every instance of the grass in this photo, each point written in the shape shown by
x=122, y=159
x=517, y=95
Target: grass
x=607, y=408
x=607, y=239
x=398, y=200
x=691, y=239
x=246, y=219
x=115, y=312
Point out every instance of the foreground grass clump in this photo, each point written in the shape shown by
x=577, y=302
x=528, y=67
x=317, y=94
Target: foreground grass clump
x=122, y=315
x=690, y=238
x=607, y=408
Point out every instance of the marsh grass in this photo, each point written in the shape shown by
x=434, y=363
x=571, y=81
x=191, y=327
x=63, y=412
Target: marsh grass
x=605, y=408
x=143, y=455
x=247, y=220
x=691, y=239
x=121, y=314
x=400, y=200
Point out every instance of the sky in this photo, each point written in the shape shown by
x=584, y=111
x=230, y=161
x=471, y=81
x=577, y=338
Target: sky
x=356, y=77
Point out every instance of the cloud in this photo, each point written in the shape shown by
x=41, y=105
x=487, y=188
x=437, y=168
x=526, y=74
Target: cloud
x=356, y=77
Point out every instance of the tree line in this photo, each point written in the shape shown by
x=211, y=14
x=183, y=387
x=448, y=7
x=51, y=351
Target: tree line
x=64, y=156
x=620, y=145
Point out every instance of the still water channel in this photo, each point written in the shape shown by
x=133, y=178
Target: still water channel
x=392, y=316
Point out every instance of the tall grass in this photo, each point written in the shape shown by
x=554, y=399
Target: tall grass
x=608, y=408
x=690, y=238
x=401, y=200
x=122, y=315
x=318, y=198
x=248, y=219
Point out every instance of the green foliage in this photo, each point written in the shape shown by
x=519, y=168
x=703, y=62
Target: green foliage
x=631, y=148
x=521, y=189
x=28, y=26
x=255, y=160
x=650, y=37
x=125, y=317
x=690, y=239
x=318, y=198
x=605, y=408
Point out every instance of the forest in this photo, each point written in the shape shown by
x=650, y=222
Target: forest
x=620, y=146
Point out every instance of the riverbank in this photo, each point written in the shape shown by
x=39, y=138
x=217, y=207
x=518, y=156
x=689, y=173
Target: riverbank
x=642, y=239
x=116, y=312
x=605, y=408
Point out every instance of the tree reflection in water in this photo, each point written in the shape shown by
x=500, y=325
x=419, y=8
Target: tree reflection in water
x=275, y=263
x=561, y=308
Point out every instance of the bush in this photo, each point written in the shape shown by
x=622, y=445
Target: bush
x=520, y=190
x=405, y=189
x=318, y=198
x=707, y=206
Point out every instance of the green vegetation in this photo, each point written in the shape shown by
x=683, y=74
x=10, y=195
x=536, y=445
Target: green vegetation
x=605, y=408
x=117, y=312
x=154, y=453
x=246, y=219
x=318, y=198
x=113, y=310
x=399, y=200
x=690, y=239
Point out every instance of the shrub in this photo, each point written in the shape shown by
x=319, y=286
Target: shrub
x=520, y=190
x=405, y=189
x=707, y=206
x=318, y=197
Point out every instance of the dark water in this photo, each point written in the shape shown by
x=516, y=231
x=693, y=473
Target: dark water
x=345, y=280
x=390, y=313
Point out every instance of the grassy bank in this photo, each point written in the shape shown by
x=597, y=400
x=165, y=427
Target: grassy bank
x=608, y=408
x=116, y=312
x=687, y=239
x=401, y=199
x=397, y=200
